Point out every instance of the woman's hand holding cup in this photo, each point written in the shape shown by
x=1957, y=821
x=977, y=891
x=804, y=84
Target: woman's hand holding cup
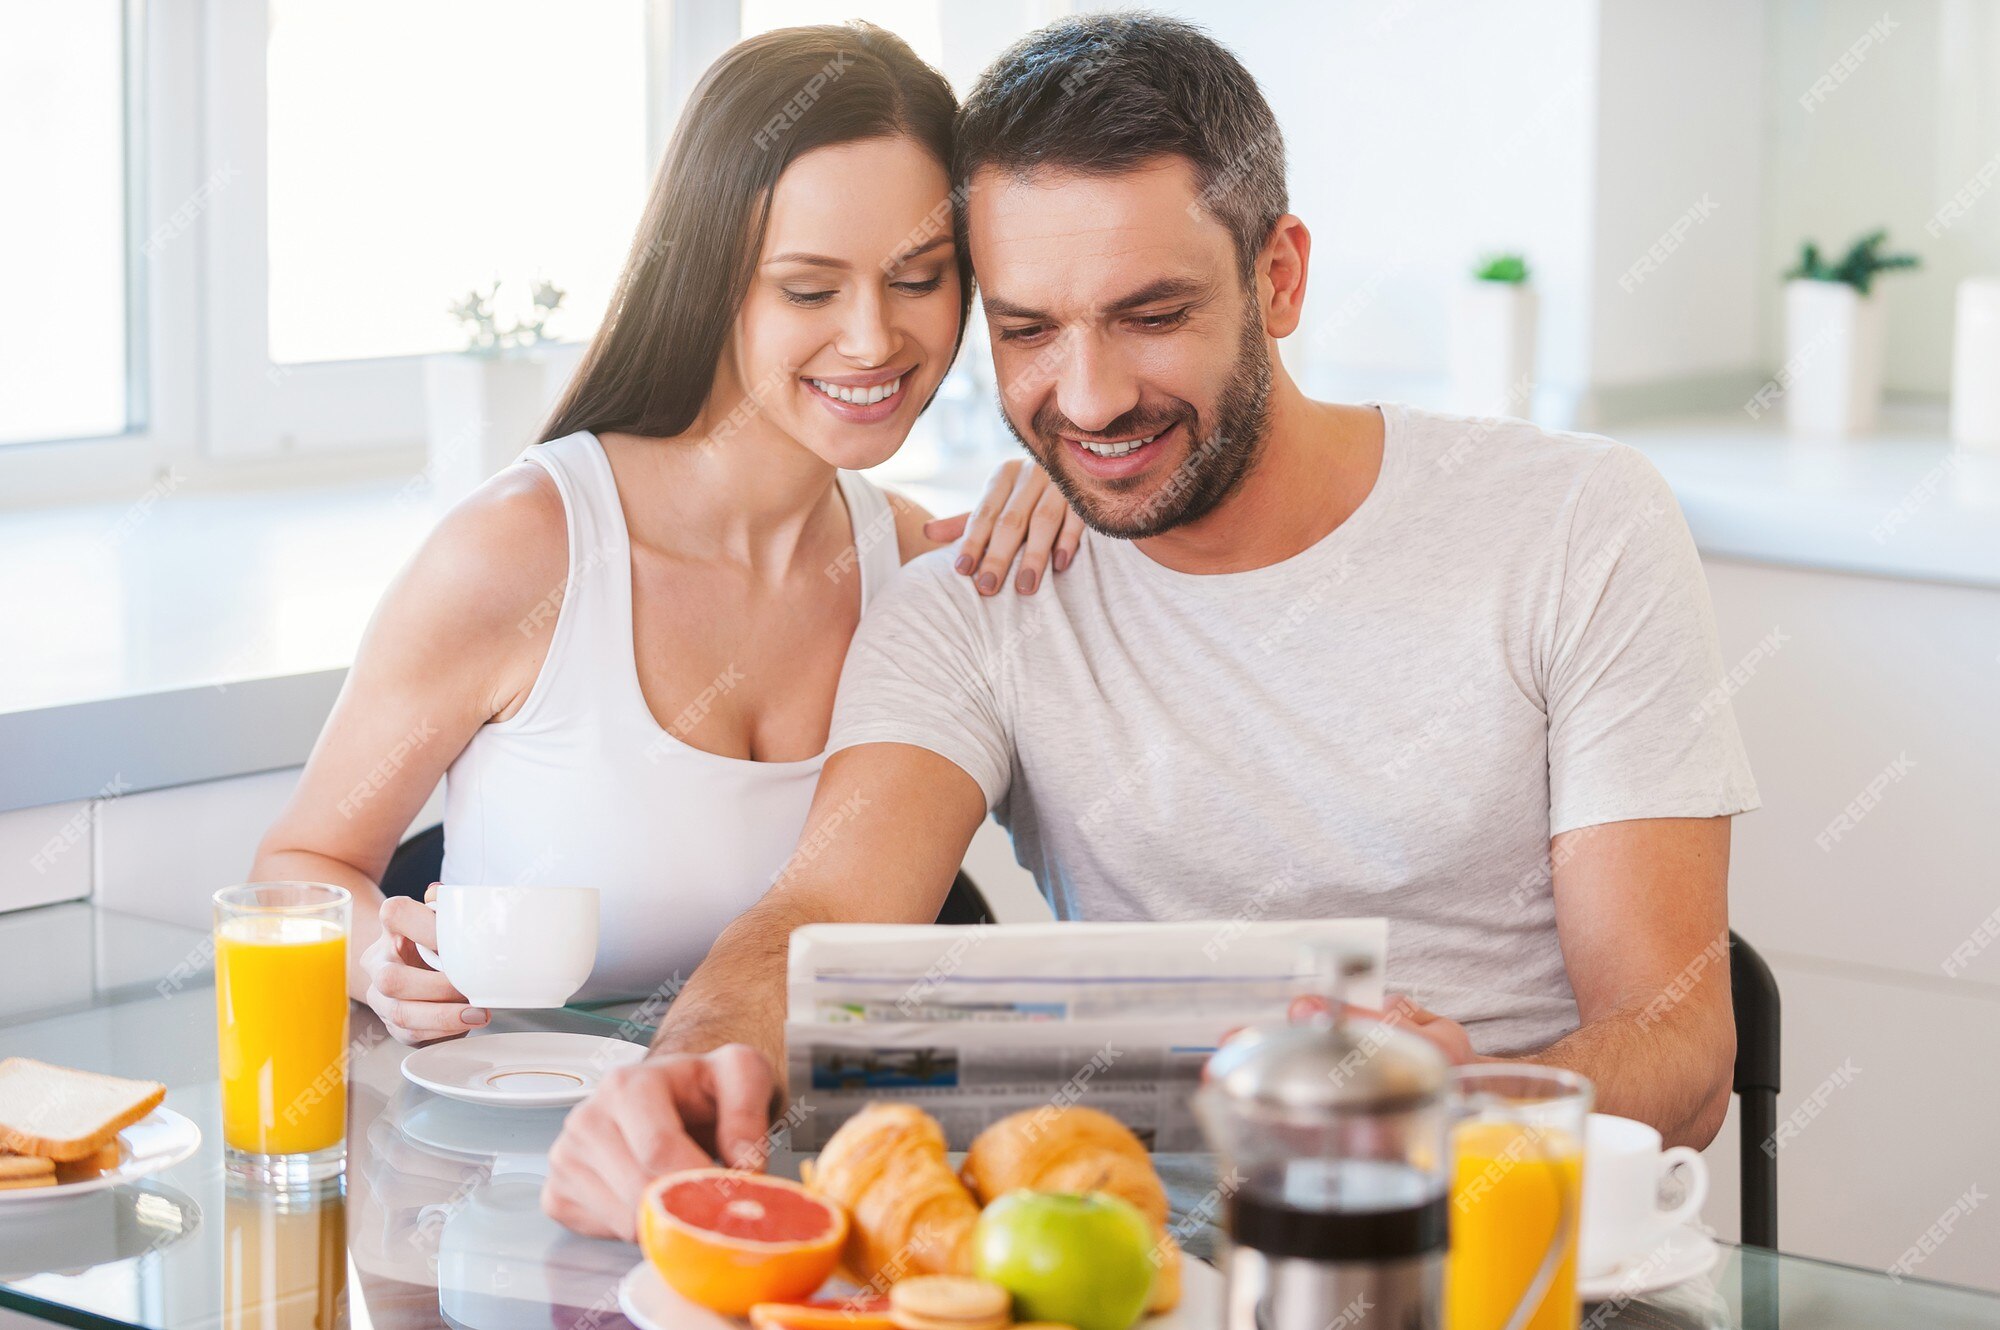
x=416, y=1002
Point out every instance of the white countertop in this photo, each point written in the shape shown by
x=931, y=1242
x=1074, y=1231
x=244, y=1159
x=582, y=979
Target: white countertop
x=1901, y=503
x=133, y=628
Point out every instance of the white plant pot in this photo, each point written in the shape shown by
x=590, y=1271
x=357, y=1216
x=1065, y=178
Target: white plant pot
x=1975, y=366
x=1493, y=349
x=1833, y=359
x=483, y=410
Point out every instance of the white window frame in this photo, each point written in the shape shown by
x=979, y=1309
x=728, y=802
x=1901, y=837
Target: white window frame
x=207, y=400
x=162, y=364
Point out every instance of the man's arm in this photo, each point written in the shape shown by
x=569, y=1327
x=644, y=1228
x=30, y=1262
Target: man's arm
x=888, y=828
x=1642, y=910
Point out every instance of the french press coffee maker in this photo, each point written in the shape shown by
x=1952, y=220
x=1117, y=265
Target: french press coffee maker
x=1332, y=1139
x=1334, y=1145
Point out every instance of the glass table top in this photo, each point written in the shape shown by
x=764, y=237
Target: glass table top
x=440, y=1223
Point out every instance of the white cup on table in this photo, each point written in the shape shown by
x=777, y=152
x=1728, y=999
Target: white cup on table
x=515, y=946
x=1623, y=1169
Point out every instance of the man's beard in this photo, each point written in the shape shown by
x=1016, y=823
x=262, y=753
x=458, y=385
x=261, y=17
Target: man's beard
x=1217, y=459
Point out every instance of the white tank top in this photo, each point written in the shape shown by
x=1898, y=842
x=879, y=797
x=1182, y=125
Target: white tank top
x=582, y=787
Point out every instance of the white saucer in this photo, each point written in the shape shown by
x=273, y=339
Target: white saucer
x=159, y=1140
x=649, y=1304
x=1683, y=1254
x=535, y=1069
x=467, y=1131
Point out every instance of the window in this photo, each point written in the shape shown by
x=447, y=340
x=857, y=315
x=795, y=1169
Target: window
x=63, y=357
x=513, y=132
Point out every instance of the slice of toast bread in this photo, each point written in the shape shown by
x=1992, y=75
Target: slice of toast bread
x=76, y=1170
x=61, y=1114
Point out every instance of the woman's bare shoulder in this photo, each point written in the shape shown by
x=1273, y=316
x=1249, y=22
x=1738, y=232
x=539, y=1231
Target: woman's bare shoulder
x=465, y=604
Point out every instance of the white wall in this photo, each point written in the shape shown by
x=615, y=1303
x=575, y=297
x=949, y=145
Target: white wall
x=1420, y=137
x=1678, y=203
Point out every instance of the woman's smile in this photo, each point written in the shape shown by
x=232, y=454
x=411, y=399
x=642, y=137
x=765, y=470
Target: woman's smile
x=861, y=399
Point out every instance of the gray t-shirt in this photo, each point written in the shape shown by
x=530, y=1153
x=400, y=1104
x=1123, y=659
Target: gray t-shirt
x=1510, y=638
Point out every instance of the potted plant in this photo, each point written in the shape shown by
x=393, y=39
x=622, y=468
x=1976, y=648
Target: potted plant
x=484, y=402
x=1493, y=339
x=1833, y=337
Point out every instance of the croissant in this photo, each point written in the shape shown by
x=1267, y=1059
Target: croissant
x=910, y=1213
x=1077, y=1149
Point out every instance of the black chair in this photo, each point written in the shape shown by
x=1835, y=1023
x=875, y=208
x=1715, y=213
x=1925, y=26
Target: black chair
x=419, y=860
x=1753, y=991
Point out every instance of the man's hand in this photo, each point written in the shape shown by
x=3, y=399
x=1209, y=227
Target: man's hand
x=672, y=1111
x=1402, y=1014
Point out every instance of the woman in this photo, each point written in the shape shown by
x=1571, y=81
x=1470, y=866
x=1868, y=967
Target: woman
x=624, y=648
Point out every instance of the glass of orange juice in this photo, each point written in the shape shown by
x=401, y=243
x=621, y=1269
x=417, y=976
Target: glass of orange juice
x=1516, y=1197
x=281, y=1023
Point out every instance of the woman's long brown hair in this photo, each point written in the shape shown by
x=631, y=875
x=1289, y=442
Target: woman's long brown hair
x=764, y=102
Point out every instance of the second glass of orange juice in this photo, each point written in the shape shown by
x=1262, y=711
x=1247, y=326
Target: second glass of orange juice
x=1516, y=1196
x=281, y=1021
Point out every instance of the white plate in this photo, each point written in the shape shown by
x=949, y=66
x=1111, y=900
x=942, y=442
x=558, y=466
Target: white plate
x=1684, y=1254
x=159, y=1140
x=534, y=1069
x=649, y=1304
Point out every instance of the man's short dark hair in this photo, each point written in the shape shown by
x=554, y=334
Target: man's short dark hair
x=1105, y=93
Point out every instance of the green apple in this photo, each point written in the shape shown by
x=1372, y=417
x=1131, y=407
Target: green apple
x=1084, y=1260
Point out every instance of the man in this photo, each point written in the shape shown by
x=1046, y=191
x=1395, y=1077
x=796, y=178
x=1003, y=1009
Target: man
x=1312, y=660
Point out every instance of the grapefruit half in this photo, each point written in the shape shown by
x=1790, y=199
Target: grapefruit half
x=729, y=1240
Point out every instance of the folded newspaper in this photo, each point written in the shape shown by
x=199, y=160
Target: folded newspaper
x=973, y=1023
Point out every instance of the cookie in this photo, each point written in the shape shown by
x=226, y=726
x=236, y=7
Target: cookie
x=18, y=1171
x=15, y=1168
x=949, y=1302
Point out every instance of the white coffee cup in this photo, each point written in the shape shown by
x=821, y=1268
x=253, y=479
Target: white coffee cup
x=1623, y=1167
x=516, y=946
